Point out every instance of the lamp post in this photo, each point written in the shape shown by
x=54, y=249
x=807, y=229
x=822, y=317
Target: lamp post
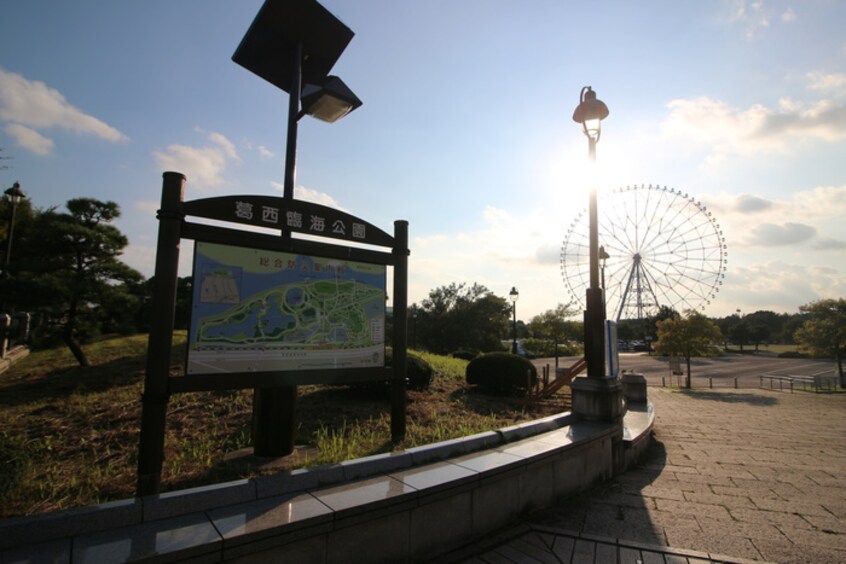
x=599, y=396
x=590, y=113
x=293, y=45
x=603, y=259
x=513, y=295
x=15, y=195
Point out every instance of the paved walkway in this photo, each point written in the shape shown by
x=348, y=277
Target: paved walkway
x=733, y=476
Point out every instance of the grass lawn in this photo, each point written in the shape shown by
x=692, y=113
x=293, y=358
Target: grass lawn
x=69, y=435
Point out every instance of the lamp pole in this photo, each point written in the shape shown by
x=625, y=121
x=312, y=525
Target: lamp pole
x=293, y=45
x=15, y=195
x=514, y=295
x=599, y=397
x=590, y=113
x=603, y=258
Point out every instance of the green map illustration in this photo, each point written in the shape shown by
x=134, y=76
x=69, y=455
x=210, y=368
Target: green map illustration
x=256, y=310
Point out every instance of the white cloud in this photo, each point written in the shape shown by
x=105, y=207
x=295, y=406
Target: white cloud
x=757, y=15
x=829, y=244
x=772, y=285
x=264, y=152
x=204, y=166
x=309, y=195
x=806, y=219
x=728, y=130
x=225, y=145
x=818, y=80
x=30, y=139
x=35, y=106
x=789, y=16
x=772, y=235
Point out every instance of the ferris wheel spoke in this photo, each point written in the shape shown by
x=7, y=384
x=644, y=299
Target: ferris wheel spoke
x=664, y=249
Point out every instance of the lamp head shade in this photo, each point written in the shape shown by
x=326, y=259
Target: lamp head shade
x=329, y=101
x=590, y=112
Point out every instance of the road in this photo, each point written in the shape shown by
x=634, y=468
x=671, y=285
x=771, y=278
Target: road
x=721, y=370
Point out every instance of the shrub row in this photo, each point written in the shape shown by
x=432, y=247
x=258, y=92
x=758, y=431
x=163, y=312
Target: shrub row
x=419, y=373
x=502, y=372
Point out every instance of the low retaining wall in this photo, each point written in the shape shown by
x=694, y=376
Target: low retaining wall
x=408, y=506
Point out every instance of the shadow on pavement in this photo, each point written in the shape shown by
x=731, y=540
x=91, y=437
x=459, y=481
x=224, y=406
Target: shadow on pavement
x=751, y=399
x=613, y=509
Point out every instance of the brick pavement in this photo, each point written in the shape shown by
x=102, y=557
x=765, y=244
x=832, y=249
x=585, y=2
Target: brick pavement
x=746, y=474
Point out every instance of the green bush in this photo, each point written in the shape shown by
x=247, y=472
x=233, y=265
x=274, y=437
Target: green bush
x=419, y=373
x=502, y=372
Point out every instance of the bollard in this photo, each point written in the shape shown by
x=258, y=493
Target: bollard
x=735, y=382
x=663, y=382
x=710, y=383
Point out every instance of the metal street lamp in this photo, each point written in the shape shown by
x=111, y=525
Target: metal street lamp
x=603, y=259
x=513, y=295
x=15, y=195
x=590, y=113
x=293, y=44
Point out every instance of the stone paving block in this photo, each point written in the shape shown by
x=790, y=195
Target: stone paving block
x=704, y=479
x=786, y=552
x=663, y=493
x=816, y=538
x=830, y=492
x=727, y=501
x=690, y=508
x=770, y=517
x=836, y=507
x=795, y=507
x=766, y=489
x=729, y=473
x=628, y=500
x=671, y=519
x=738, y=528
x=826, y=523
x=723, y=543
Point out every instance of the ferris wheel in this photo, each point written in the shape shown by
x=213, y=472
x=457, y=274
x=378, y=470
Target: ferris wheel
x=658, y=247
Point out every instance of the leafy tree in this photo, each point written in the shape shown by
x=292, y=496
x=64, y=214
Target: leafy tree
x=184, y=297
x=457, y=317
x=72, y=277
x=688, y=336
x=763, y=327
x=640, y=329
x=664, y=312
x=554, y=325
x=824, y=332
x=792, y=323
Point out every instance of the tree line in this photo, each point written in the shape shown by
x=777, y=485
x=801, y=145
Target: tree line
x=65, y=270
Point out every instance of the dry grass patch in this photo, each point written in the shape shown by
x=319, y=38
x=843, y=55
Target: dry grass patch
x=69, y=435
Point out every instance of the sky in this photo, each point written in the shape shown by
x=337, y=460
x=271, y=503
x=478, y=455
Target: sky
x=466, y=129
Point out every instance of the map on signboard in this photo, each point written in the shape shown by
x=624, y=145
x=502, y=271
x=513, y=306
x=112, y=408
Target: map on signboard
x=258, y=311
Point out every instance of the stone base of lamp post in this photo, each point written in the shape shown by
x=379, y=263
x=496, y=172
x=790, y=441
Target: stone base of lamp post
x=634, y=387
x=597, y=399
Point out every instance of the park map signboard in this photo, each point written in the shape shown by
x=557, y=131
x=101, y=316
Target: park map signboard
x=256, y=310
